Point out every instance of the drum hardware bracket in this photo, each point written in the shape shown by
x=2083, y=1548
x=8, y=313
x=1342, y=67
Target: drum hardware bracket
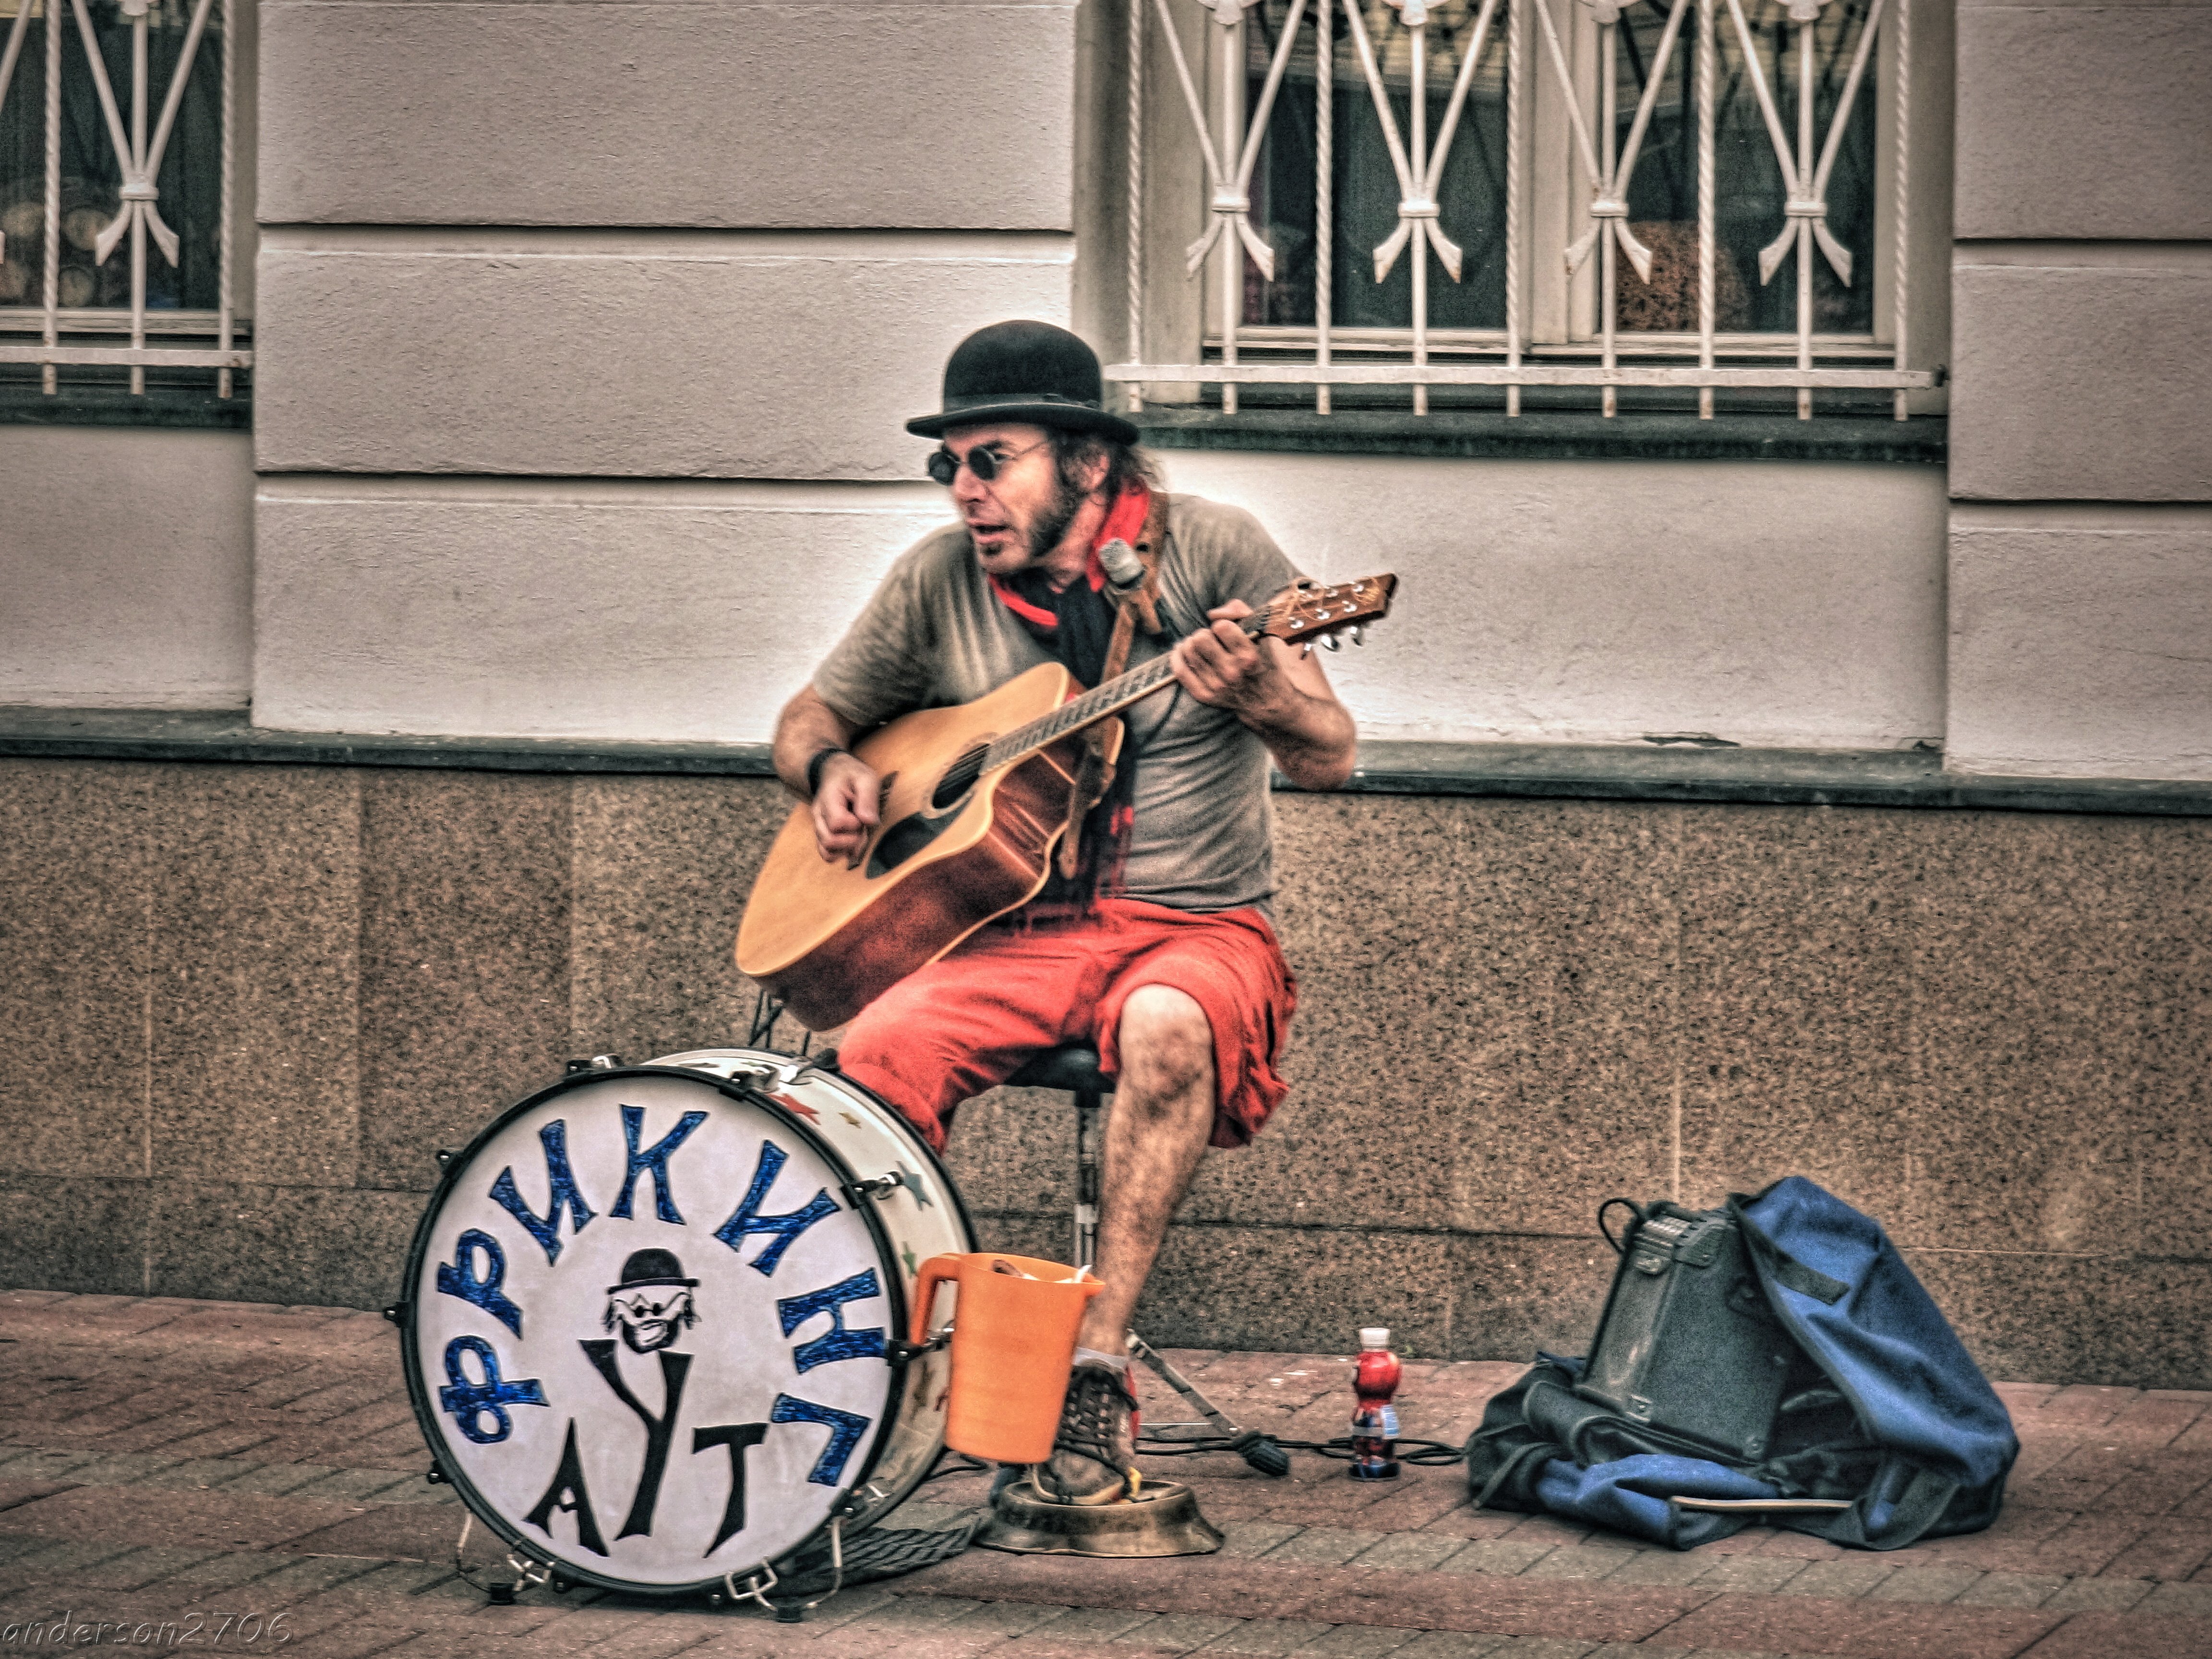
x=528, y=1574
x=880, y=1187
x=791, y=1612
x=596, y=1063
x=396, y=1312
x=900, y=1351
x=444, y=1156
x=825, y=1063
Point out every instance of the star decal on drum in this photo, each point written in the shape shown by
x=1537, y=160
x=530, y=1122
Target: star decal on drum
x=798, y=1106
x=914, y=1184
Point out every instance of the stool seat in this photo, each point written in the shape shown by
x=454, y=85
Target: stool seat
x=1073, y=1067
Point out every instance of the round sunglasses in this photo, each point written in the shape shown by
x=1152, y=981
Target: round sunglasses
x=985, y=461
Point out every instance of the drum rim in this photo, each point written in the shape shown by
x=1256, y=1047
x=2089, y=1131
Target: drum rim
x=419, y=1254
x=898, y=1118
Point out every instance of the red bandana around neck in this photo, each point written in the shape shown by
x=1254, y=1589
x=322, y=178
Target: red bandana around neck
x=1125, y=521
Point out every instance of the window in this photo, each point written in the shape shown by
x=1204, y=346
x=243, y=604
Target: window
x=118, y=210
x=1668, y=199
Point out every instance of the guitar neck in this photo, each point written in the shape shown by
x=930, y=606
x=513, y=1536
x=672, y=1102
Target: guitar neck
x=1094, y=706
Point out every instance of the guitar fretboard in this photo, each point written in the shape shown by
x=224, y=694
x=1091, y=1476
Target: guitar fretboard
x=1093, y=706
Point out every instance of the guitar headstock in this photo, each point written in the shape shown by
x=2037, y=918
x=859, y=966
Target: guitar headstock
x=1306, y=612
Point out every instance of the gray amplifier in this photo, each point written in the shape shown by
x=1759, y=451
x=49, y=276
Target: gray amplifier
x=1688, y=1344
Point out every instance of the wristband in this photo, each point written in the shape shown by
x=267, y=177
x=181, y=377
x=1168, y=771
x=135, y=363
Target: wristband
x=814, y=768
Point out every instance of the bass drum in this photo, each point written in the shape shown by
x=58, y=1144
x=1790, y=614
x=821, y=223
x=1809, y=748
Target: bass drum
x=653, y=1315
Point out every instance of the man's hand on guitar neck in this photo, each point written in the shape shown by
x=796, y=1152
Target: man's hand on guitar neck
x=1280, y=694
x=847, y=792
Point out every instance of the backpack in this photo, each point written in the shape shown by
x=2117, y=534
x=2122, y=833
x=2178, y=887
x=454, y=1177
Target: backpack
x=1771, y=1360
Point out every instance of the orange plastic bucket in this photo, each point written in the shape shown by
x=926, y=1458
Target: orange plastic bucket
x=1013, y=1345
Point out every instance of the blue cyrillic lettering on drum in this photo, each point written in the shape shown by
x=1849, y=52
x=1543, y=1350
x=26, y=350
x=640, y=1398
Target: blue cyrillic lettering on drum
x=837, y=1343
x=469, y=1402
x=845, y=1428
x=653, y=1160
x=459, y=1278
x=749, y=1219
x=546, y=1230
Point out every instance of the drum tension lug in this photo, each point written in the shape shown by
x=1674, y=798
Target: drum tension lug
x=879, y=1186
x=435, y=1476
x=899, y=1350
x=395, y=1311
x=596, y=1063
x=445, y=1155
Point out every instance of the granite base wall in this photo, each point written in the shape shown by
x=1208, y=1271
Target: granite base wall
x=246, y=1003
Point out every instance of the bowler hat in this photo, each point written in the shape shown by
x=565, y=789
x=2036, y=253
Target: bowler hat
x=650, y=1267
x=1028, y=371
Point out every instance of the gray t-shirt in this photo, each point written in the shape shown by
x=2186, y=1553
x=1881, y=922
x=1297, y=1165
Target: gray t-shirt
x=934, y=635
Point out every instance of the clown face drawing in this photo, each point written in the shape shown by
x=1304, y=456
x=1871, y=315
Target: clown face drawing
x=651, y=1306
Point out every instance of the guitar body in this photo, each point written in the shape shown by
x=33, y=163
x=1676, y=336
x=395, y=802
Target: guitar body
x=962, y=836
x=830, y=938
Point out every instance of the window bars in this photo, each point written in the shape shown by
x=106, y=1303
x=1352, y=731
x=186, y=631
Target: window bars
x=1597, y=157
x=138, y=155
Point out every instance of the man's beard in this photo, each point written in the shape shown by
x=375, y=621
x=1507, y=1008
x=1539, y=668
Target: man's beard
x=1045, y=534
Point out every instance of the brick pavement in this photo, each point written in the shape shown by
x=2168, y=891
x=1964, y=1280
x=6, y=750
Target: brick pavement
x=164, y=1463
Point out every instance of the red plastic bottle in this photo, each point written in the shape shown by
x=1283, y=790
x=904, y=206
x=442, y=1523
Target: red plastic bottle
x=1375, y=1424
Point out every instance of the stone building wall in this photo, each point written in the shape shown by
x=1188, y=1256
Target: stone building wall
x=2081, y=547
x=247, y=1003
x=583, y=337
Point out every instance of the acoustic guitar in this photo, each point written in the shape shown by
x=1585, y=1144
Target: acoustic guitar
x=974, y=799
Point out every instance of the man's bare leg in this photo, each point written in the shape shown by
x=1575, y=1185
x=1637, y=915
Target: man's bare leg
x=1157, y=1132
x=1163, y=1117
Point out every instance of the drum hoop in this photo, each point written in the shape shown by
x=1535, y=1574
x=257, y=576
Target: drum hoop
x=935, y=1162
x=418, y=1253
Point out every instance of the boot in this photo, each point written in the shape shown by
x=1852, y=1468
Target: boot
x=1094, y=1456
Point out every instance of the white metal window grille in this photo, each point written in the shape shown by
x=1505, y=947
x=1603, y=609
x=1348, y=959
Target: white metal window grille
x=117, y=170
x=1750, y=123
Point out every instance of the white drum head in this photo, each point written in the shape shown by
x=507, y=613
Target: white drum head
x=647, y=1329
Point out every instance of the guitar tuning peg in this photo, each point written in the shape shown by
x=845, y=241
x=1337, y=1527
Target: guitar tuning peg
x=1330, y=642
x=1358, y=634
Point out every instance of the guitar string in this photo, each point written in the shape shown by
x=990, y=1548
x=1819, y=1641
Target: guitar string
x=1092, y=705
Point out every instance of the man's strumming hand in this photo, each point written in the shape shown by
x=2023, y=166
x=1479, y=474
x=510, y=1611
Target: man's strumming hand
x=844, y=796
x=844, y=807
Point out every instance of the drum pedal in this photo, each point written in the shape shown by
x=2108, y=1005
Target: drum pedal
x=1160, y=1519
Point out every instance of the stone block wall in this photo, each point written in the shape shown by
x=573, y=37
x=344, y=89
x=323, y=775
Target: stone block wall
x=126, y=560
x=248, y=1002
x=2079, y=458
x=561, y=307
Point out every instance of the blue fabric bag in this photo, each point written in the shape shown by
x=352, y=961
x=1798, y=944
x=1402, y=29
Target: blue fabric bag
x=1900, y=1437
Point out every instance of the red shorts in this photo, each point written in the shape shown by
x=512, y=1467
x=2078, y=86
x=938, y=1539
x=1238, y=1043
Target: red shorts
x=967, y=1022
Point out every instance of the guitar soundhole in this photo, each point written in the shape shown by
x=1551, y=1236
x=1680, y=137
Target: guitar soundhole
x=902, y=841
x=959, y=778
